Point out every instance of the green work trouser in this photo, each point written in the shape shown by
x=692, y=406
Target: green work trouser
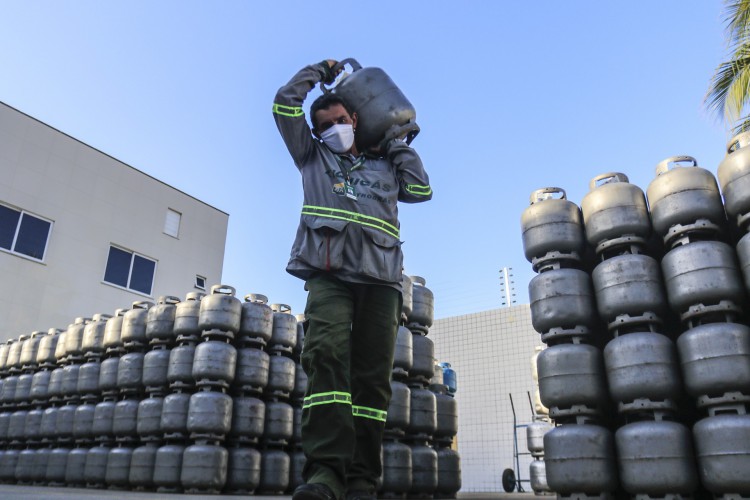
x=348, y=359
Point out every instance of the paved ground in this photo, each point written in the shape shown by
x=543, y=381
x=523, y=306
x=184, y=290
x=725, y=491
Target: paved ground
x=12, y=492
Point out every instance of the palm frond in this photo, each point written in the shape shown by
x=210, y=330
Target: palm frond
x=737, y=19
x=729, y=90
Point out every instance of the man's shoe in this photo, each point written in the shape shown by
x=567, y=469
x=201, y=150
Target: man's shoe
x=313, y=491
x=360, y=495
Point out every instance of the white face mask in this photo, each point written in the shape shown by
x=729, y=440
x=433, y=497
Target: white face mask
x=339, y=138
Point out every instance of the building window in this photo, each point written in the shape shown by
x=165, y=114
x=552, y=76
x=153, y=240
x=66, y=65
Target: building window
x=130, y=270
x=23, y=233
x=172, y=223
x=200, y=282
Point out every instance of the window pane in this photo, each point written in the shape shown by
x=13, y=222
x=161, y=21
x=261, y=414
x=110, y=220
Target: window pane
x=172, y=223
x=118, y=267
x=8, y=224
x=32, y=237
x=143, y=275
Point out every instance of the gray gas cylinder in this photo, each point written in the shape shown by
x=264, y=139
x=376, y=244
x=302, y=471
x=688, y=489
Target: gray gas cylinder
x=551, y=228
x=186, y=317
x=32, y=429
x=743, y=255
x=142, y=465
x=133, y=332
x=301, y=325
x=155, y=369
x=60, y=352
x=734, y=180
x=407, y=295
x=248, y=419
x=702, y=273
x=45, y=355
x=4, y=423
x=722, y=447
x=83, y=421
x=251, y=374
x=160, y=320
x=383, y=111
x=220, y=312
x=243, y=470
x=95, y=468
x=112, y=341
x=130, y=373
x=56, y=465
x=39, y=384
x=65, y=421
x=449, y=473
x=423, y=357
x=422, y=412
x=118, y=467
x=8, y=391
x=629, y=288
x=22, y=395
x=4, y=348
x=684, y=198
x=125, y=419
x=538, y=477
x=656, y=458
x=204, y=468
x=29, y=349
x=280, y=376
x=88, y=378
x=168, y=467
x=209, y=414
x=108, y=375
x=403, y=357
x=562, y=300
x=74, y=337
x=12, y=363
x=399, y=408
x=580, y=459
x=643, y=371
x=180, y=371
x=614, y=212
x=297, y=424
x=149, y=417
x=8, y=462
x=279, y=422
x=424, y=469
x=69, y=385
x=423, y=304
x=74, y=467
x=274, y=471
x=174, y=414
x=41, y=459
x=46, y=427
x=297, y=462
x=104, y=414
x=256, y=323
x=92, y=343
x=300, y=382
x=446, y=417
x=16, y=426
x=535, y=432
x=572, y=380
x=397, y=468
x=284, y=331
x=214, y=364
x=715, y=362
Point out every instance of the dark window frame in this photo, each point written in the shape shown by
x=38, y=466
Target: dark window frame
x=17, y=232
x=133, y=263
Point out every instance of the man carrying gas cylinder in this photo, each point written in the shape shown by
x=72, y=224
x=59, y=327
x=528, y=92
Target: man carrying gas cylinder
x=348, y=251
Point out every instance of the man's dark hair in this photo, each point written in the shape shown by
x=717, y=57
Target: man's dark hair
x=324, y=102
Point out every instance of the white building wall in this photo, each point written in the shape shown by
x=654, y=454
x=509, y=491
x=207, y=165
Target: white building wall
x=94, y=201
x=491, y=352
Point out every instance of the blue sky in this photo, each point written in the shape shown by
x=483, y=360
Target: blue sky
x=511, y=96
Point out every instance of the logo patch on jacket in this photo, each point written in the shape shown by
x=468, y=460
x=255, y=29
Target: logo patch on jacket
x=339, y=189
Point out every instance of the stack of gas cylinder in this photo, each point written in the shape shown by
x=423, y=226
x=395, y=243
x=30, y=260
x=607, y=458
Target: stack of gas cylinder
x=418, y=459
x=641, y=302
x=204, y=395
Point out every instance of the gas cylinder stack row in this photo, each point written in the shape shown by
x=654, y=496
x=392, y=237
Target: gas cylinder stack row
x=422, y=419
x=659, y=388
x=571, y=369
x=194, y=395
x=535, y=433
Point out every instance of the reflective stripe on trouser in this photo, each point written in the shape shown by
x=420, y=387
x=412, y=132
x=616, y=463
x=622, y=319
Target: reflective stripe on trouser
x=349, y=342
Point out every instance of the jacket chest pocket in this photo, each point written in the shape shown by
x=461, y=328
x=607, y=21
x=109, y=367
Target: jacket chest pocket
x=323, y=246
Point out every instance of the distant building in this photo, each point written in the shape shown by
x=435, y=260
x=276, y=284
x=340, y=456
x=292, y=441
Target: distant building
x=83, y=233
x=491, y=353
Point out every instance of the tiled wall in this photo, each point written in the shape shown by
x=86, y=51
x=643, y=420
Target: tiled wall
x=491, y=352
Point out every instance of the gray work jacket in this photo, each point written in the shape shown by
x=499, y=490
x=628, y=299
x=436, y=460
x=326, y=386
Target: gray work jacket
x=356, y=240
